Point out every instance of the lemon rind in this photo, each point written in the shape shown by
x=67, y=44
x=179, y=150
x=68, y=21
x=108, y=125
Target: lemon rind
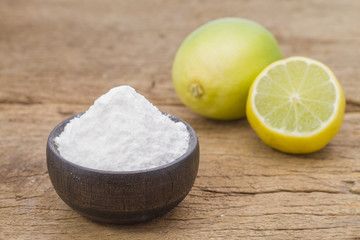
x=295, y=133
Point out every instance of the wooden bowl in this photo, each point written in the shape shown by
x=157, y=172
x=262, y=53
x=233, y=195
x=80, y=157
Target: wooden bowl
x=122, y=197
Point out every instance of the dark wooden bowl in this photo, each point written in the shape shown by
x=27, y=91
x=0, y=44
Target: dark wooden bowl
x=122, y=197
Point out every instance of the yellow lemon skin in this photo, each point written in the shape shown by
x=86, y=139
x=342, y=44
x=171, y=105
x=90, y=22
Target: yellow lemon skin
x=216, y=64
x=297, y=144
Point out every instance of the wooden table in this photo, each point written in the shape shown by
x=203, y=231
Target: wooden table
x=57, y=57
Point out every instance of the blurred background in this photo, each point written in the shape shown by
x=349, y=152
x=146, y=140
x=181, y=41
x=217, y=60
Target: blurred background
x=86, y=47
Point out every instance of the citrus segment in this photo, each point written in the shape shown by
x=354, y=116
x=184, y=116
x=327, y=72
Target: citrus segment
x=296, y=105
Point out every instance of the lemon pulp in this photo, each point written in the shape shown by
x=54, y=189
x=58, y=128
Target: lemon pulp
x=296, y=105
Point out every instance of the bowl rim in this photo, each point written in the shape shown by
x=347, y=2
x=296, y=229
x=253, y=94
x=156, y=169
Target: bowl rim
x=193, y=144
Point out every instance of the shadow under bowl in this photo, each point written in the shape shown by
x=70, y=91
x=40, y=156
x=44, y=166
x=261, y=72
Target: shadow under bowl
x=122, y=197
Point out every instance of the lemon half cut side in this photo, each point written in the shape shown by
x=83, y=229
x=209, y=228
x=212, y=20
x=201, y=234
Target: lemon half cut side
x=296, y=105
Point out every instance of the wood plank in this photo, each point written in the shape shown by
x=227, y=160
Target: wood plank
x=76, y=58
x=243, y=188
x=57, y=57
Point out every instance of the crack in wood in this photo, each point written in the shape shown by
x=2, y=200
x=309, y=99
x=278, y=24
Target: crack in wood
x=352, y=105
x=19, y=197
x=28, y=101
x=268, y=192
x=302, y=229
x=183, y=219
x=27, y=176
x=293, y=213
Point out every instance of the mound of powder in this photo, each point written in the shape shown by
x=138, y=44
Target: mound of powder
x=122, y=131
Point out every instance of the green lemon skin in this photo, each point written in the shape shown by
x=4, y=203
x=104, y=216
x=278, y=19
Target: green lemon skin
x=216, y=64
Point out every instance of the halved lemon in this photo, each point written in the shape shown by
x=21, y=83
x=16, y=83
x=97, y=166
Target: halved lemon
x=296, y=105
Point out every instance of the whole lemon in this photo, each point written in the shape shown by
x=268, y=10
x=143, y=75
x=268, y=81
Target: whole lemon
x=216, y=64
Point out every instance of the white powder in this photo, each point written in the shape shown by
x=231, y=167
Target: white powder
x=122, y=131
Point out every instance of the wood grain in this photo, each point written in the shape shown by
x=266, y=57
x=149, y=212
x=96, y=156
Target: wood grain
x=56, y=57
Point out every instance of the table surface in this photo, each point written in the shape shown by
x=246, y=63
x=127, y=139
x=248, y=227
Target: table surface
x=57, y=57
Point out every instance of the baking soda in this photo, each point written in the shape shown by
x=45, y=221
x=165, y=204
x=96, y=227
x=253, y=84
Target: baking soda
x=122, y=131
